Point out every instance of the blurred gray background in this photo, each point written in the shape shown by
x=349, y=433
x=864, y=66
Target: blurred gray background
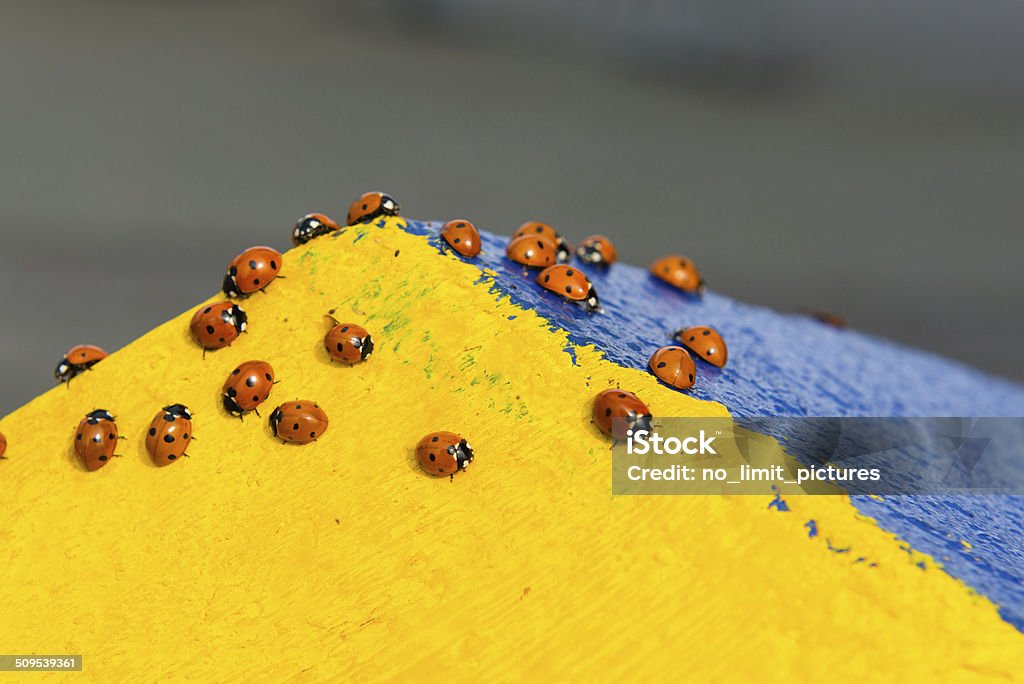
x=866, y=158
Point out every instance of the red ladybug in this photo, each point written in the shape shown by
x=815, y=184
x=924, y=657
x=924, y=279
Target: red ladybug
x=705, y=342
x=312, y=226
x=218, y=325
x=542, y=230
x=169, y=434
x=348, y=343
x=252, y=270
x=618, y=403
x=532, y=251
x=597, y=250
x=96, y=439
x=443, y=453
x=247, y=387
x=570, y=284
x=673, y=366
x=78, y=359
x=462, y=236
x=679, y=272
x=3, y=446
x=370, y=205
x=831, y=319
x=299, y=422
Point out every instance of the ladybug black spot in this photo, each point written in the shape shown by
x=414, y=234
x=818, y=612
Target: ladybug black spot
x=255, y=397
x=207, y=309
x=255, y=281
x=692, y=338
x=433, y=439
x=691, y=377
x=295, y=426
x=312, y=434
x=185, y=436
x=458, y=240
x=171, y=457
x=79, y=437
x=662, y=364
x=607, y=412
x=236, y=371
x=460, y=224
x=547, y=278
x=440, y=470
x=706, y=332
x=570, y=272
x=568, y=289
x=250, y=381
x=345, y=329
x=273, y=264
x=103, y=458
x=364, y=207
x=432, y=457
x=252, y=264
x=341, y=347
x=622, y=396
x=298, y=406
x=169, y=438
x=112, y=436
x=268, y=376
x=209, y=329
x=97, y=438
x=82, y=354
x=711, y=351
x=540, y=229
x=232, y=392
x=222, y=339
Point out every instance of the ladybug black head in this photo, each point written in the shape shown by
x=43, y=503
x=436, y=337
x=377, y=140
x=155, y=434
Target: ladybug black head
x=637, y=423
x=307, y=228
x=229, y=286
x=463, y=454
x=239, y=318
x=231, y=406
x=64, y=370
x=366, y=347
x=388, y=205
x=178, y=411
x=275, y=418
x=99, y=414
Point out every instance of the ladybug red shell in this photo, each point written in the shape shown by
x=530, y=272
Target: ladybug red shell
x=571, y=284
x=78, y=359
x=348, y=343
x=169, y=434
x=617, y=403
x=312, y=226
x=247, y=387
x=532, y=251
x=217, y=325
x=705, y=342
x=563, y=249
x=673, y=366
x=370, y=205
x=462, y=236
x=251, y=271
x=96, y=439
x=3, y=446
x=597, y=250
x=679, y=272
x=299, y=422
x=443, y=453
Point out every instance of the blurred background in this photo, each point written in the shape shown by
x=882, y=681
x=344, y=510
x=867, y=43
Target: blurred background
x=865, y=158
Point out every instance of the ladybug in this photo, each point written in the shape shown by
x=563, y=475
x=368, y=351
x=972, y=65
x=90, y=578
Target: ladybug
x=247, y=387
x=679, y=272
x=299, y=422
x=3, y=446
x=348, y=343
x=251, y=270
x=570, y=284
x=78, y=359
x=96, y=438
x=597, y=250
x=705, y=342
x=830, y=319
x=370, y=205
x=218, y=325
x=462, y=236
x=673, y=366
x=169, y=434
x=562, y=248
x=312, y=226
x=618, y=403
x=532, y=251
x=444, y=453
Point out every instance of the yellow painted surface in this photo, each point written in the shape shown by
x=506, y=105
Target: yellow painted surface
x=255, y=561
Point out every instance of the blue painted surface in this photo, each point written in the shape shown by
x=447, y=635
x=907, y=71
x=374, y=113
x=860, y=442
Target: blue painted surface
x=789, y=365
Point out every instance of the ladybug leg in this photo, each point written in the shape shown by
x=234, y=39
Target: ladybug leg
x=257, y=412
x=204, y=353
